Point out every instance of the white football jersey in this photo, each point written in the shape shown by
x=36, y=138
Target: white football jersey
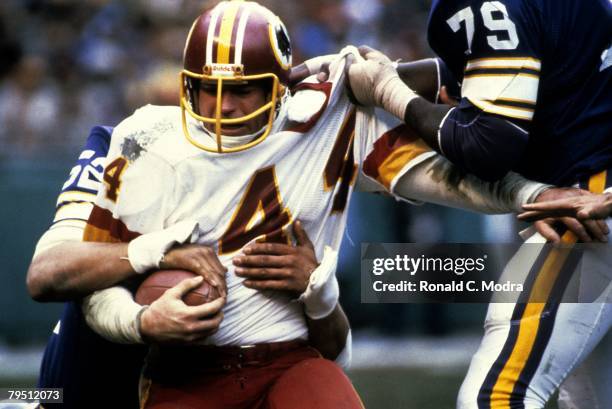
x=305, y=169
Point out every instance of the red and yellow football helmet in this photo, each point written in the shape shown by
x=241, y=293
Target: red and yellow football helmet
x=232, y=42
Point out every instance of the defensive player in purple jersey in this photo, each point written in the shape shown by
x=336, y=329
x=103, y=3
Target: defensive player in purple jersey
x=536, y=98
x=76, y=358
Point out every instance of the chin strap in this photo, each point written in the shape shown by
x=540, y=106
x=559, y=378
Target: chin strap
x=230, y=141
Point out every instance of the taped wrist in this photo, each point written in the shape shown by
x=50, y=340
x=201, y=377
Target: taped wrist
x=146, y=251
x=321, y=295
x=394, y=95
x=526, y=191
x=114, y=315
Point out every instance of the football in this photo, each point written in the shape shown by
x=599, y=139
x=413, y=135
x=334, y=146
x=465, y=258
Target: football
x=156, y=284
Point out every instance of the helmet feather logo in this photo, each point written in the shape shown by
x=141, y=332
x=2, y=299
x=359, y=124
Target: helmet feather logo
x=280, y=43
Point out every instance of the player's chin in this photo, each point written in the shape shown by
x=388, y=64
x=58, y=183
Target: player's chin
x=234, y=130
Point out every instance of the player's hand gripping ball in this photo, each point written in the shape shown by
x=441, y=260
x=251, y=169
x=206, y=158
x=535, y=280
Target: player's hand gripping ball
x=156, y=284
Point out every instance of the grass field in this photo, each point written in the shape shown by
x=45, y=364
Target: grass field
x=382, y=388
x=403, y=388
x=392, y=388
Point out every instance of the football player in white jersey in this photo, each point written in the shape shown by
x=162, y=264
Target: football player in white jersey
x=80, y=361
x=229, y=191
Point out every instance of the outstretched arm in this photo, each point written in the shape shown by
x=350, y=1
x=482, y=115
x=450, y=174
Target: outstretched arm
x=72, y=269
x=436, y=180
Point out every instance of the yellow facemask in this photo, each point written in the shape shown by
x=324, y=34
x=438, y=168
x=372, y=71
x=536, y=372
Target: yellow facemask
x=217, y=120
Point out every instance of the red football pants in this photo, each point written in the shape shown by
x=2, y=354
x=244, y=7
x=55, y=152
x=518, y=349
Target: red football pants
x=298, y=379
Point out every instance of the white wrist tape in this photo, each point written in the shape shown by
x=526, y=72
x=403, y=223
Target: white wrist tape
x=114, y=314
x=530, y=192
x=321, y=295
x=394, y=96
x=379, y=72
x=526, y=190
x=145, y=252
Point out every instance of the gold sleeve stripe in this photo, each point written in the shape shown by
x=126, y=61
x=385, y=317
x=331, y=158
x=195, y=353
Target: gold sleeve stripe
x=597, y=182
x=391, y=153
x=73, y=211
x=75, y=196
x=499, y=109
x=514, y=102
x=102, y=226
x=398, y=159
x=514, y=62
x=511, y=91
x=75, y=223
x=497, y=75
x=93, y=233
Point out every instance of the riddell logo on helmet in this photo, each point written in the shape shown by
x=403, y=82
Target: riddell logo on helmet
x=224, y=69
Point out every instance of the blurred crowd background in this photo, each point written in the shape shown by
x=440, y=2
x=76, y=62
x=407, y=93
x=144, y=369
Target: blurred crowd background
x=67, y=65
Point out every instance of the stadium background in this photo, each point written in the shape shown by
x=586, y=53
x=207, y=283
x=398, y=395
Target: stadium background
x=66, y=65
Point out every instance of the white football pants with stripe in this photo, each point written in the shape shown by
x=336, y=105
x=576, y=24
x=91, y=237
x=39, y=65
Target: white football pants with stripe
x=530, y=349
